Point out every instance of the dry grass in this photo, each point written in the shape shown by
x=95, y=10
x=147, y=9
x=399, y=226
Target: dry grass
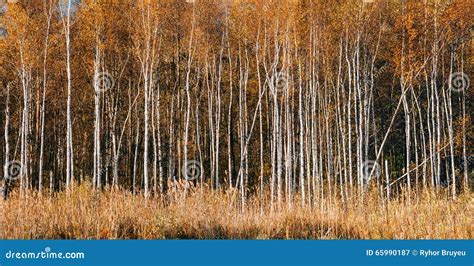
x=85, y=214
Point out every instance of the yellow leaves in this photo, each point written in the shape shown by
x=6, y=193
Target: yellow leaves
x=16, y=21
x=21, y=41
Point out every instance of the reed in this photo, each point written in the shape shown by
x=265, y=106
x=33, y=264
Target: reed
x=205, y=214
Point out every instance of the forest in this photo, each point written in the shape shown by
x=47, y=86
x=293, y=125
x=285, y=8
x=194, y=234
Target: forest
x=237, y=119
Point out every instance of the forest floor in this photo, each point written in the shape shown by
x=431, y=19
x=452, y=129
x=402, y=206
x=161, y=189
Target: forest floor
x=203, y=214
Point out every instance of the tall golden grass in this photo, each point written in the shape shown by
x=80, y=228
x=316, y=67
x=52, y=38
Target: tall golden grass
x=203, y=214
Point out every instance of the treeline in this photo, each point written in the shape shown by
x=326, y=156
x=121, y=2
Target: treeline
x=307, y=98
